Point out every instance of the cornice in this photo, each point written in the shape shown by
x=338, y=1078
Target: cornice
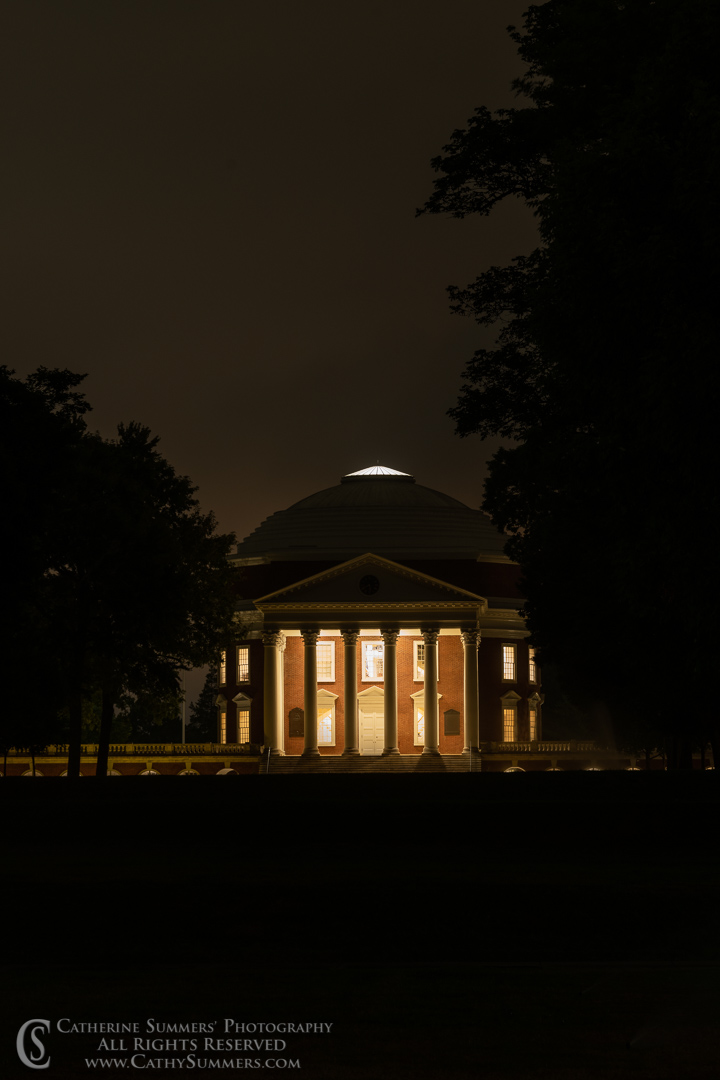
x=409, y=605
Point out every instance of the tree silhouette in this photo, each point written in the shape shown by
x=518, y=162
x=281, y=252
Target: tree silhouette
x=128, y=582
x=203, y=712
x=603, y=370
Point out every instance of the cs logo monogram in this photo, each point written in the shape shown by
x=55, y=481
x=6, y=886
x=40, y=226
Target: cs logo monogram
x=36, y=1059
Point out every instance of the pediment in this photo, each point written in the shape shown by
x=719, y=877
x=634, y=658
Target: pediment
x=370, y=581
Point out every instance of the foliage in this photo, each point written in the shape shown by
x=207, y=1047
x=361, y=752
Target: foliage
x=603, y=370
x=121, y=580
x=149, y=716
x=203, y=712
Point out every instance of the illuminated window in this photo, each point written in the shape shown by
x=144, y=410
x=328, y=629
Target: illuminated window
x=534, y=702
x=372, y=661
x=243, y=725
x=533, y=665
x=325, y=726
x=243, y=665
x=326, y=661
x=419, y=661
x=509, y=703
x=509, y=663
x=222, y=668
x=223, y=725
x=326, y=718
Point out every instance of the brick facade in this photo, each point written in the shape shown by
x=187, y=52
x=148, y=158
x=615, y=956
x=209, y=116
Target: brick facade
x=450, y=685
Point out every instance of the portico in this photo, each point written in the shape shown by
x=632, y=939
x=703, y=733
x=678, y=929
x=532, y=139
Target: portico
x=369, y=605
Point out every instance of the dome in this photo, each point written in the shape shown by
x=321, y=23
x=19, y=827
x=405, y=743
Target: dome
x=377, y=510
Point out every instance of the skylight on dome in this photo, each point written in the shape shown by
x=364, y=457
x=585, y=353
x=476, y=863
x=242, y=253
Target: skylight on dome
x=378, y=470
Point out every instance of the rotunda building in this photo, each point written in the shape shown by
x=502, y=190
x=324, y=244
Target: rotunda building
x=377, y=618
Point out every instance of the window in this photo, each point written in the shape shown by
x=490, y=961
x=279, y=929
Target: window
x=372, y=661
x=243, y=664
x=326, y=661
x=243, y=725
x=223, y=725
x=419, y=726
x=509, y=704
x=532, y=664
x=222, y=668
x=326, y=718
x=534, y=702
x=325, y=726
x=509, y=663
x=418, y=661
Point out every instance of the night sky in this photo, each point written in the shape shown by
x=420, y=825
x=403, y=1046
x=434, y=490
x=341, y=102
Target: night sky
x=209, y=208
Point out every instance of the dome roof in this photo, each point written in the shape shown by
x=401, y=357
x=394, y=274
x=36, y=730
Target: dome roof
x=375, y=510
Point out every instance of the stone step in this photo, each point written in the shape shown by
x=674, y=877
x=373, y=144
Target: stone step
x=395, y=763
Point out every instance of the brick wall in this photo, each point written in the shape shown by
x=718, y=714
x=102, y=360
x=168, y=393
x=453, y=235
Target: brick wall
x=450, y=686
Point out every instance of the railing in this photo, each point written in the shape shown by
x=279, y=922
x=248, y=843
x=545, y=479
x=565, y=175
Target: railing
x=147, y=750
x=543, y=747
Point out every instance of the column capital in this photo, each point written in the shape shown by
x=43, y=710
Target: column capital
x=390, y=637
x=272, y=638
x=350, y=637
x=470, y=638
x=310, y=637
x=430, y=635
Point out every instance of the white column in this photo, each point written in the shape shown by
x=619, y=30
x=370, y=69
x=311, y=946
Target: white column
x=310, y=679
x=271, y=711
x=471, y=709
x=281, y=694
x=430, y=637
x=390, y=679
x=350, y=638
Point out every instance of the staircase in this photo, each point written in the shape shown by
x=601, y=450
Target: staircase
x=392, y=763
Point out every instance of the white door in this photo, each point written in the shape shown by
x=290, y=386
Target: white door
x=372, y=729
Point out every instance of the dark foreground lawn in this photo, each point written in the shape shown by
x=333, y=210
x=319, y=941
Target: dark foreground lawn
x=512, y=925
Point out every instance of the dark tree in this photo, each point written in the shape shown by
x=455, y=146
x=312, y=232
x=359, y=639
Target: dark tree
x=604, y=370
x=153, y=715
x=203, y=712
x=127, y=582
x=145, y=590
x=41, y=426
